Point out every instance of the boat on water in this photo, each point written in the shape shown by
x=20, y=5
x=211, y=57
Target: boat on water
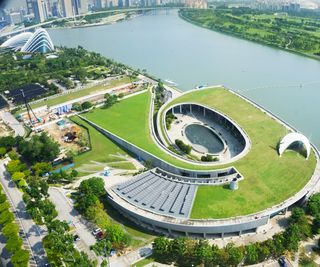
x=171, y=83
x=200, y=86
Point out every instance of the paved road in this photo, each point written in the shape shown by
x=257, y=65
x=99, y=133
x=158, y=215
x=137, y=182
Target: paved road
x=67, y=213
x=8, y=118
x=34, y=233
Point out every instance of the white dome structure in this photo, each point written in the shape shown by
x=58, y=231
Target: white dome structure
x=16, y=42
x=39, y=42
x=291, y=138
x=28, y=42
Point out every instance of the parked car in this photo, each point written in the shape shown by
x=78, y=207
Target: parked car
x=282, y=262
x=95, y=231
x=100, y=235
x=76, y=238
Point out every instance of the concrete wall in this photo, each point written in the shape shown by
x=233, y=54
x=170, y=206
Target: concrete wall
x=157, y=162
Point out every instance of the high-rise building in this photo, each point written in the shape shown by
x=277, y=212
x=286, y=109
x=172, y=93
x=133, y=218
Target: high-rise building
x=97, y=4
x=80, y=6
x=67, y=8
x=39, y=8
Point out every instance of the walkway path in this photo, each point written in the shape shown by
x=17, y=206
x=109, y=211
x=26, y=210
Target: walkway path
x=9, y=119
x=67, y=213
x=34, y=233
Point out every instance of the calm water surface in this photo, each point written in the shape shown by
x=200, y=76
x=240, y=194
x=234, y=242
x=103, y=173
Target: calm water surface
x=204, y=139
x=170, y=48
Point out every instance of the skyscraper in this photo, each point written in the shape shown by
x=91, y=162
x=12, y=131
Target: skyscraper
x=39, y=8
x=67, y=8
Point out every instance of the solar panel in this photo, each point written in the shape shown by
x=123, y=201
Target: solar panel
x=31, y=91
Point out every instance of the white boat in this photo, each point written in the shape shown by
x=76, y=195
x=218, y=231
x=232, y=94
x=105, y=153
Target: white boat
x=171, y=83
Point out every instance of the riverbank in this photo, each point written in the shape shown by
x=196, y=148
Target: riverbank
x=211, y=25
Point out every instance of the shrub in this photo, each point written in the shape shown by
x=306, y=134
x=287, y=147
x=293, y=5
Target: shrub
x=13, y=155
x=10, y=229
x=17, y=176
x=13, y=243
x=183, y=147
x=208, y=158
x=313, y=206
x=121, y=95
x=86, y=105
x=3, y=151
x=6, y=217
x=20, y=258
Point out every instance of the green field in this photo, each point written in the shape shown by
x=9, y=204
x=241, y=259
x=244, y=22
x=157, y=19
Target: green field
x=268, y=178
x=104, y=152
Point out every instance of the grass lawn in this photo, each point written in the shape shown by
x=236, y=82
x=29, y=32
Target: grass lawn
x=103, y=151
x=143, y=262
x=268, y=178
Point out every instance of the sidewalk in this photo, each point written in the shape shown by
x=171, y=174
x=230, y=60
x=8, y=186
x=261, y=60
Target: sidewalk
x=34, y=233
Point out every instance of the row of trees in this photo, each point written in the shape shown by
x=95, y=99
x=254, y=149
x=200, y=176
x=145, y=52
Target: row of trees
x=34, y=183
x=10, y=230
x=89, y=202
x=189, y=252
x=290, y=32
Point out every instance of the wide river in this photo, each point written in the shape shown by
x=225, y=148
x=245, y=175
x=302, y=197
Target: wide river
x=170, y=48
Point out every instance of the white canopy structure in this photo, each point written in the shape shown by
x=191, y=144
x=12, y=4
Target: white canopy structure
x=291, y=138
x=28, y=42
x=16, y=42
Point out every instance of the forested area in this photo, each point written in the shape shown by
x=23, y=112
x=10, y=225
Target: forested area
x=70, y=65
x=295, y=33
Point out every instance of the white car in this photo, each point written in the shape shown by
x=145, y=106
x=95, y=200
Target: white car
x=95, y=231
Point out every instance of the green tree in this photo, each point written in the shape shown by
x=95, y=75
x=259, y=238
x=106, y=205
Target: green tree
x=316, y=224
x=178, y=248
x=252, y=256
x=3, y=198
x=58, y=226
x=39, y=148
x=8, y=142
x=13, y=155
x=203, y=252
x=296, y=215
x=41, y=168
x=13, y=243
x=20, y=258
x=86, y=105
x=3, y=151
x=10, y=229
x=110, y=100
x=235, y=254
x=116, y=235
x=6, y=217
x=292, y=238
x=17, y=176
x=15, y=166
x=76, y=107
x=4, y=206
x=94, y=185
x=313, y=205
x=161, y=246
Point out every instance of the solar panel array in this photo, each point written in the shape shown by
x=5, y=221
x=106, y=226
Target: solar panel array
x=31, y=91
x=154, y=193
